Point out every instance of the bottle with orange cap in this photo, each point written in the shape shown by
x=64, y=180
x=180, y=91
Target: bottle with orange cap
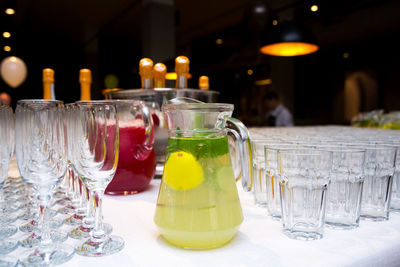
x=182, y=71
x=48, y=84
x=146, y=73
x=85, y=79
x=159, y=72
x=204, y=83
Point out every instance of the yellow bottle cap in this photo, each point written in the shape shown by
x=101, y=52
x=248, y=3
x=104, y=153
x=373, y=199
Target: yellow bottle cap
x=48, y=75
x=204, y=83
x=146, y=68
x=85, y=76
x=182, y=66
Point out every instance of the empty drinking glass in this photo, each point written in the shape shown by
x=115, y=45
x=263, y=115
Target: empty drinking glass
x=258, y=165
x=304, y=178
x=6, y=151
x=344, y=192
x=395, y=200
x=272, y=177
x=41, y=158
x=97, y=140
x=379, y=170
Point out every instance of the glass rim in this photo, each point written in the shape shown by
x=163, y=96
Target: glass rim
x=34, y=101
x=375, y=146
x=111, y=101
x=345, y=148
x=5, y=106
x=95, y=103
x=304, y=153
x=199, y=106
x=199, y=131
x=292, y=146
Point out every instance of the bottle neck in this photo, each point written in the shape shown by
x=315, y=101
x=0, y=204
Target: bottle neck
x=85, y=91
x=181, y=82
x=48, y=90
x=159, y=83
x=146, y=84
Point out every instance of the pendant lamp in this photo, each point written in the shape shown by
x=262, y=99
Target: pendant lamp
x=288, y=39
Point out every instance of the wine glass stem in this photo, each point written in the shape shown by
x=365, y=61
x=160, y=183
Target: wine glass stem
x=98, y=231
x=1, y=194
x=89, y=218
x=45, y=233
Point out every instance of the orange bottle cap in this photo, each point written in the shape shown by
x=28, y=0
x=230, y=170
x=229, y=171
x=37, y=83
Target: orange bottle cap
x=146, y=68
x=182, y=66
x=159, y=70
x=204, y=83
x=85, y=76
x=48, y=75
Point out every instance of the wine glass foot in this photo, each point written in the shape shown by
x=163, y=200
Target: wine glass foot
x=60, y=194
x=62, y=202
x=68, y=209
x=8, y=261
x=75, y=219
x=93, y=248
x=9, y=217
x=48, y=255
x=32, y=225
x=7, y=246
x=82, y=232
x=28, y=215
x=7, y=231
x=7, y=207
x=34, y=239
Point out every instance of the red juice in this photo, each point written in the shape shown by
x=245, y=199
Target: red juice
x=136, y=163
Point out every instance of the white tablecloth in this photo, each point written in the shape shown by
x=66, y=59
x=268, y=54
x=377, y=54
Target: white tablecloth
x=259, y=241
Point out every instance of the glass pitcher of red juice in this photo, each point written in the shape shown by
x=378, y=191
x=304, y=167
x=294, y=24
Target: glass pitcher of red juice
x=137, y=160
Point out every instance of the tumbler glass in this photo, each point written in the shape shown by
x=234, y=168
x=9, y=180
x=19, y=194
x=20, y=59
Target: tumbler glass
x=395, y=199
x=272, y=177
x=304, y=179
x=258, y=165
x=344, y=192
x=379, y=170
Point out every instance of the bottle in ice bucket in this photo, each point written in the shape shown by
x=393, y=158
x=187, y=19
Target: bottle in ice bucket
x=48, y=84
x=137, y=160
x=198, y=205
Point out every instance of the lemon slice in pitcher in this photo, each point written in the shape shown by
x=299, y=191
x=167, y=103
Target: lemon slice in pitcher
x=182, y=171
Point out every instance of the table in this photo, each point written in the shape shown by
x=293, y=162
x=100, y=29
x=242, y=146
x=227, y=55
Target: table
x=259, y=241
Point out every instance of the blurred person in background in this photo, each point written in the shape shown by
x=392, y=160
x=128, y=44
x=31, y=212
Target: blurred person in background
x=278, y=114
x=5, y=98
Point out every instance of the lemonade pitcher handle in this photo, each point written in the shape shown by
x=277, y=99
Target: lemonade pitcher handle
x=242, y=140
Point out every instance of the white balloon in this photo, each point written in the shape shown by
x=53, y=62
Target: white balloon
x=13, y=71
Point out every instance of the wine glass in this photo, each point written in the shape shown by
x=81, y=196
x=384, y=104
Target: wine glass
x=6, y=151
x=84, y=215
x=71, y=200
x=32, y=207
x=41, y=158
x=97, y=144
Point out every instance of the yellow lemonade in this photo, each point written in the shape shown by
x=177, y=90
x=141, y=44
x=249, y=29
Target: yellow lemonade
x=198, y=205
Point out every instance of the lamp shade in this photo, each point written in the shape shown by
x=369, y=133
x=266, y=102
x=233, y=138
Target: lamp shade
x=288, y=39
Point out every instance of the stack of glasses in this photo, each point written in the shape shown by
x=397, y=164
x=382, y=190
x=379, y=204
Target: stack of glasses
x=309, y=177
x=66, y=155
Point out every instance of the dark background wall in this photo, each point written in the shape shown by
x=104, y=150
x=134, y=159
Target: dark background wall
x=358, y=43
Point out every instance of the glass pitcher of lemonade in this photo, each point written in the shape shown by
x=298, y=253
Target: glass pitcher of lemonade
x=198, y=205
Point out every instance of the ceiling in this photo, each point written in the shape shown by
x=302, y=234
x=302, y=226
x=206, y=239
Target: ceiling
x=82, y=21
